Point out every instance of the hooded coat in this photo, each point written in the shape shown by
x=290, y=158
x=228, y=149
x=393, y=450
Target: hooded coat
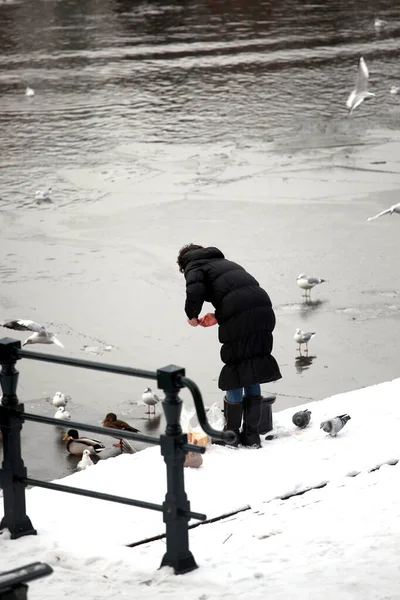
x=244, y=313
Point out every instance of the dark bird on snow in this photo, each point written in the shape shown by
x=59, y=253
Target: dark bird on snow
x=301, y=418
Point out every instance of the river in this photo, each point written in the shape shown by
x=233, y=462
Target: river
x=221, y=123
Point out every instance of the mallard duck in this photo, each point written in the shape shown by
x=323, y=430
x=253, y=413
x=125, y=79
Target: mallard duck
x=76, y=445
x=114, y=423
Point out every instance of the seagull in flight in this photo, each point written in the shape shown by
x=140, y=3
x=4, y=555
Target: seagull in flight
x=40, y=334
x=360, y=92
x=389, y=211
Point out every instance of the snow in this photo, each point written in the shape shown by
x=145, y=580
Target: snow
x=339, y=539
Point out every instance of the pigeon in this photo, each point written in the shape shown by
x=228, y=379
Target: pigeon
x=360, y=92
x=150, y=399
x=43, y=195
x=303, y=337
x=29, y=92
x=333, y=426
x=389, y=211
x=307, y=283
x=85, y=461
x=40, y=335
x=62, y=414
x=301, y=418
x=59, y=399
x=395, y=90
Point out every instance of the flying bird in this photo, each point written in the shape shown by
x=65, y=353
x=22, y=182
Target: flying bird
x=62, y=414
x=85, y=461
x=150, y=399
x=77, y=445
x=59, y=399
x=301, y=418
x=333, y=426
x=303, y=337
x=389, y=211
x=360, y=92
x=29, y=91
x=395, y=90
x=307, y=283
x=40, y=334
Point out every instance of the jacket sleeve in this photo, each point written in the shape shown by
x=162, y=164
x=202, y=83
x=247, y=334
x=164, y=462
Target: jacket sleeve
x=195, y=292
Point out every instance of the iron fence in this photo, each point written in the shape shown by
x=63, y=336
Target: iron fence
x=174, y=447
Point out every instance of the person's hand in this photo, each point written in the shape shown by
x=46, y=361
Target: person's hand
x=193, y=322
x=208, y=320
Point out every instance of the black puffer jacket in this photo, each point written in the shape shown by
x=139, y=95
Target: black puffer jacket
x=244, y=313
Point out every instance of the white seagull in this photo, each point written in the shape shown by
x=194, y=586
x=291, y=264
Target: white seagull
x=85, y=461
x=40, y=334
x=303, y=337
x=307, y=283
x=59, y=399
x=43, y=195
x=150, y=399
x=29, y=92
x=395, y=90
x=389, y=211
x=379, y=23
x=360, y=92
x=62, y=414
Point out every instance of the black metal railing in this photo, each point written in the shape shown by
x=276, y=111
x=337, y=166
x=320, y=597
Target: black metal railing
x=174, y=446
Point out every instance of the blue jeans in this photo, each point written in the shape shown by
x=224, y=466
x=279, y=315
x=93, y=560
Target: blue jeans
x=237, y=395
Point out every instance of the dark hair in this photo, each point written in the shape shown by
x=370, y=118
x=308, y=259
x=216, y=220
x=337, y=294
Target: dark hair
x=183, y=251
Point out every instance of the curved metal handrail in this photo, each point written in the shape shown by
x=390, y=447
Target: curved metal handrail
x=226, y=436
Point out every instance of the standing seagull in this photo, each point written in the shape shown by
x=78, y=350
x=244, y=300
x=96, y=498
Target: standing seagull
x=360, y=93
x=29, y=92
x=303, y=337
x=333, y=426
x=307, y=283
x=40, y=335
x=389, y=211
x=150, y=399
x=85, y=461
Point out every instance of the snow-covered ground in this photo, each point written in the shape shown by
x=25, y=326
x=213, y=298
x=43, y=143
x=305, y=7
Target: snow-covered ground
x=339, y=540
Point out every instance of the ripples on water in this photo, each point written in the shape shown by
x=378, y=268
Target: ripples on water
x=248, y=72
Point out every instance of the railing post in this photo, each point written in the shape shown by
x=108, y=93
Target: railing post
x=15, y=518
x=178, y=554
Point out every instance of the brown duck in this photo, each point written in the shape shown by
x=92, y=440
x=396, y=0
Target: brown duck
x=114, y=423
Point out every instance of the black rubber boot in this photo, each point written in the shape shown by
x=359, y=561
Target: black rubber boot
x=250, y=435
x=233, y=417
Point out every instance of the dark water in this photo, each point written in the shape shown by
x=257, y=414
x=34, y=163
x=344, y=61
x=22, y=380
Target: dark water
x=157, y=123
